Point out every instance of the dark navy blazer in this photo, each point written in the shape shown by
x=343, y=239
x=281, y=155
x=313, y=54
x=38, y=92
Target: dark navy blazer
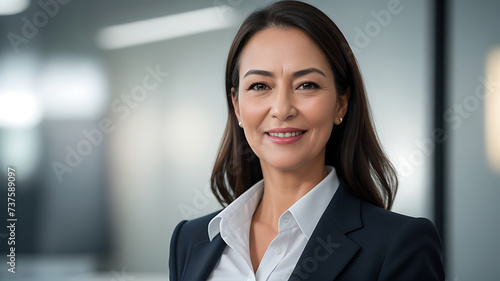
x=353, y=241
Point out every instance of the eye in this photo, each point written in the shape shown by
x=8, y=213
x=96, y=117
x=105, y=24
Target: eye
x=258, y=87
x=308, y=86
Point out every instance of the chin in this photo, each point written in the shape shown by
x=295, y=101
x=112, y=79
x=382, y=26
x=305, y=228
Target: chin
x=284, y=163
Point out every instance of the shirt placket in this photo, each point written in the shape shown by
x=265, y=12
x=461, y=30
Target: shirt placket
x=276, y=250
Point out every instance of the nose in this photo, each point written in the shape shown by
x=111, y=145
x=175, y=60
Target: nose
x=284, y=103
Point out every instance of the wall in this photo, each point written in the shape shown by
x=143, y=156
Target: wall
x=474, y=187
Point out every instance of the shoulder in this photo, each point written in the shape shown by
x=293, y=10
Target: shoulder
x=391, y=224
x=356, y=213
x=413, y=248
x=385, y=226
x=186, y=235
x=374, y=216
x=404, y=245
x=193, y=230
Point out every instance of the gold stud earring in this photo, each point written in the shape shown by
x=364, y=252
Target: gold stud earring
x=240, y=124
x=340, y=119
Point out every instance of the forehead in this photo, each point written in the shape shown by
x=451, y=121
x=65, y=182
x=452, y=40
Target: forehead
x=286, y=49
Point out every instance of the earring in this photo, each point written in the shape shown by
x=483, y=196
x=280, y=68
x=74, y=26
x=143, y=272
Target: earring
x=340, y=119
x=240, y=124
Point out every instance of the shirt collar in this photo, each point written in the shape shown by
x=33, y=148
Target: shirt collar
x=306, y=211
x=237, y=213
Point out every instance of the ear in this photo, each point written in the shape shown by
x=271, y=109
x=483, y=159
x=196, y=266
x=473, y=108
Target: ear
x=343, y=102
x=236, y=104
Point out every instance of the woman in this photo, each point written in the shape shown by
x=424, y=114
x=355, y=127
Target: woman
x=306, y=185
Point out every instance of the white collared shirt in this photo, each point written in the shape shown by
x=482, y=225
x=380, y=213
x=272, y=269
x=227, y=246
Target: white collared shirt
x=295, y=227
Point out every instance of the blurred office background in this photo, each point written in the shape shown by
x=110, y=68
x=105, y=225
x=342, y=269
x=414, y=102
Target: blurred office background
x=112, y=111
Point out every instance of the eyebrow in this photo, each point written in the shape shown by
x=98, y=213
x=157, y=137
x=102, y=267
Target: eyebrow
x=295, y=74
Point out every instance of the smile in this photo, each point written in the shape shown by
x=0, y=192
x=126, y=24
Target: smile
x=285, y=138
x=285, y=135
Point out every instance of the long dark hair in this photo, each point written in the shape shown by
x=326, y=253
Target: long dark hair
x=353, y=148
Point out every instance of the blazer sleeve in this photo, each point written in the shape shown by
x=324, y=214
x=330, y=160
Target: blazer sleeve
x=414, y=254
x=173, y=265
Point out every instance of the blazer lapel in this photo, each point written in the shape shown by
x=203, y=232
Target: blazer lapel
x=329, y=250
x=204, y=257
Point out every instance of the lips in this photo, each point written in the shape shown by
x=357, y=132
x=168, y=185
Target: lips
x=285, y=135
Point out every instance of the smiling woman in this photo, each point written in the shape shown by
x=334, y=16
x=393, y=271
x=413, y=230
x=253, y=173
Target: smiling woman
x=306, y=186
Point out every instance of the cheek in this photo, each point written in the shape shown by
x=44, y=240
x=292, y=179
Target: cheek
x=252, y=112
x=320, y=112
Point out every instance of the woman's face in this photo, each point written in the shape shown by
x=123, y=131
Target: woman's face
x=286, y=101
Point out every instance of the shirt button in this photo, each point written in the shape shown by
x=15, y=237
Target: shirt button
x=285, y=220
x=278, y=251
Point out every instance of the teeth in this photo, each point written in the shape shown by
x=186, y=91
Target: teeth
x=285, y=135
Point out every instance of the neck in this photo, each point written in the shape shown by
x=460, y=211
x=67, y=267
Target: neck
x=282, y=188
